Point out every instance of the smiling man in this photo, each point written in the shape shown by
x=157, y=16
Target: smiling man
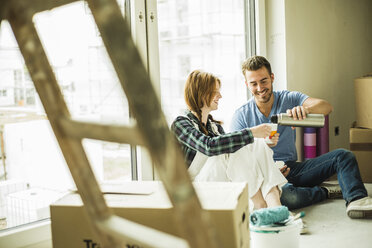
x=305, y=177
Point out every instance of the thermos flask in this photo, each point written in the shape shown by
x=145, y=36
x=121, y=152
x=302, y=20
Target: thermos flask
x=311, y=120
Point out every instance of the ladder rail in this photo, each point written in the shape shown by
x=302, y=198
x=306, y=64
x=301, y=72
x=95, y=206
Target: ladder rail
x=20, y=19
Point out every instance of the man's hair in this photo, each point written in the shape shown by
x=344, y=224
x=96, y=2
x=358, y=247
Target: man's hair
x=254, y=63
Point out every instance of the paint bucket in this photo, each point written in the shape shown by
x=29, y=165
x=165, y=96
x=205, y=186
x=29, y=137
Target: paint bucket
x=287, y=236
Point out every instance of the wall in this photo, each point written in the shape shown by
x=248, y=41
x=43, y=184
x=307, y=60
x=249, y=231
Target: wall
x=276, y=41
x=327, y=45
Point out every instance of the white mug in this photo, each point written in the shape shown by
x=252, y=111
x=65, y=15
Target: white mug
x=274, y=128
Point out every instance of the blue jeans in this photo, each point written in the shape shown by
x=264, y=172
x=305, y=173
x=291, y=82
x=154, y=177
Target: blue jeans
x=304, y=177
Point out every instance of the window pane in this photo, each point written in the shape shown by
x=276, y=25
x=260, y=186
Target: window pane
x=82, y=66
x=33, y=172
x=206, y=35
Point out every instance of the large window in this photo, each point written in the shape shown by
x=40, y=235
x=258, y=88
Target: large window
x=207, y=35
x=33, y=172
x=190, y=34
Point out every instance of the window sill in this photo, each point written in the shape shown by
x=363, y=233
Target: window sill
x=31, y=235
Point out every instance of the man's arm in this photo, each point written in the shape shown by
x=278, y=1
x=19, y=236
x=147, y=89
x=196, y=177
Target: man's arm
x=317, y=106
x=310, y=106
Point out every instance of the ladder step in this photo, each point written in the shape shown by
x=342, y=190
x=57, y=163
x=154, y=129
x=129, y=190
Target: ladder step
x=113, y=133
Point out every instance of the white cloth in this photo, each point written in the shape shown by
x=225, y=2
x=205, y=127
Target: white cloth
x=252, y=163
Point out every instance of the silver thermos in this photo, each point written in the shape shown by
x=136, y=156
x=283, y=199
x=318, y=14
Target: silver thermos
x=311, y=120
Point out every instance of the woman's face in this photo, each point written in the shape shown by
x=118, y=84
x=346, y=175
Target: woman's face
x=213, y=105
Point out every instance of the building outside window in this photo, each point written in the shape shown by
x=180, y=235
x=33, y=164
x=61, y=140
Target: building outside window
x=206, y=35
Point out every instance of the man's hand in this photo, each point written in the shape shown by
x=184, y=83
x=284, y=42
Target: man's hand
x=261, y=131
x=285, y=170
x=274, y=139
x=298, y=112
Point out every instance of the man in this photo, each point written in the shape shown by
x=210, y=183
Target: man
x=303, y=177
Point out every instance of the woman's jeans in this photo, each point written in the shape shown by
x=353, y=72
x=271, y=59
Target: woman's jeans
x=304, y=177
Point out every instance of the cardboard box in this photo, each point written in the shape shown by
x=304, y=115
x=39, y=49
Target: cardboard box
x=363, y=108
x=226, y=202
x=361, y=146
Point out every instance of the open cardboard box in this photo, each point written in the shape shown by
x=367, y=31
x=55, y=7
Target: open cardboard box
x=147, y=203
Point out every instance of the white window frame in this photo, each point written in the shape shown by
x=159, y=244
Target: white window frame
x=145, y=36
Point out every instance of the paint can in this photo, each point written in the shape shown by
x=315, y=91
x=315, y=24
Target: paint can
x=287, y=236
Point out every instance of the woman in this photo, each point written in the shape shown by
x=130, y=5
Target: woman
x=213, y=155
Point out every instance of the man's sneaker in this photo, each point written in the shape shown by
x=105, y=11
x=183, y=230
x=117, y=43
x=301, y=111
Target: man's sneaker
x=361, y=208
x=334, y=190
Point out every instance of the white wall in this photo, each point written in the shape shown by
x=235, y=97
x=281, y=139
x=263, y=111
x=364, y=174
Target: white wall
x=276, y=41
x=327, y=45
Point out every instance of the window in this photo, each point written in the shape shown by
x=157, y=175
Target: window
x=207, y=35
x=190, y=34
x=33, y=172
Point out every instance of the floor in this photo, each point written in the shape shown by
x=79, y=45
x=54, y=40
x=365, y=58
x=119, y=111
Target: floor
x=328, y=226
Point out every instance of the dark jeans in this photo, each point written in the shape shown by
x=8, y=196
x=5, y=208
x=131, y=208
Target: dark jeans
x=304, y=177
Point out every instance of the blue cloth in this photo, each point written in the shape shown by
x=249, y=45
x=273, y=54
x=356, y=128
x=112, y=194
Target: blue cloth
x=269, y=216
x=249, y=115
x=301, y=189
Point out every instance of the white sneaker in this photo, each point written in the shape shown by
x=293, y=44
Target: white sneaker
x=361, y=208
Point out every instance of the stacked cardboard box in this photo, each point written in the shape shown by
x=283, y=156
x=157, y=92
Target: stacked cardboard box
x=148, y=204
x=361, y=146
x=361, y=136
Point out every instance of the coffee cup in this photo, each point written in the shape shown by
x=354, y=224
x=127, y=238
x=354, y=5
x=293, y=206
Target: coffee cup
x=274, y=128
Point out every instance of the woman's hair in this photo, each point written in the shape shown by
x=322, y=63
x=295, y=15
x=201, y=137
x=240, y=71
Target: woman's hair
x=200, y=89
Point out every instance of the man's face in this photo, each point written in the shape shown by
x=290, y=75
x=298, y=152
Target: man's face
x=260, y=84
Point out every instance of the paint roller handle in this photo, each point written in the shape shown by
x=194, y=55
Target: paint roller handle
x=290, y=220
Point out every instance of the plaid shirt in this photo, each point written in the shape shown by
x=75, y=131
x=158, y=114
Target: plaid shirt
x=186, y=129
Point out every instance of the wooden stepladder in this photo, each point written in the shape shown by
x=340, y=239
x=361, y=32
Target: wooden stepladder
x=151, y=129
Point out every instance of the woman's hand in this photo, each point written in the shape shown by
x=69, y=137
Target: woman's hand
x=261, y=131
x=274, y=140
